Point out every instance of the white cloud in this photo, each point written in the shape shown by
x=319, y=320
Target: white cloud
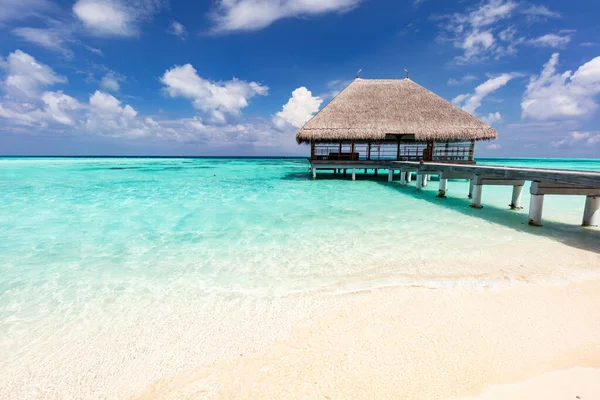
x=558, y=96
x=21, y=9
x=298, y=110
x=59, y=105
x=114, y=17
x=460, y=81
x=488, y=31
x=248, y=15
x=492, y=118
x=540, y=11
x=550, y=40
x=216, y=98
x=573, y=138
x=110, y=82
x=51, y=39
x=594, y=139
x=26, y=76
x=107, y=116
x=493, y=146
x=471, y=102
x=177, y=29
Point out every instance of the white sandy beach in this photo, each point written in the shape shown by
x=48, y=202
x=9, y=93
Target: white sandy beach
x=429, y=344
x=529, y=329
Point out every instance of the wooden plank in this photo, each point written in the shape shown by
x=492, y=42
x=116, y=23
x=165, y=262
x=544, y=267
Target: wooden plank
x=455, y=175
x=548, y=188
x=485, y=180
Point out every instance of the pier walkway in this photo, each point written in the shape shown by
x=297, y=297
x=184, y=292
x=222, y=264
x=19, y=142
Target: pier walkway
x=543, y=181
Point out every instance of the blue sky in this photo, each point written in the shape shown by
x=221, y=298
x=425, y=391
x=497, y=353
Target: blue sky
x=238, y=77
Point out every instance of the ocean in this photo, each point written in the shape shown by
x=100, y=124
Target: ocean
x=91, y=243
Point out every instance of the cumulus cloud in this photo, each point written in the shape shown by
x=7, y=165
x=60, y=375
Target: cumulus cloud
x=298, y=110
x=110, y=82
x=552, y=95
x=216, y=98
x=177, y=29
x=249, y=15
x=470, y=102
x=25, y=76
x=492, y=118
x=59, y=106
x=114, y=17
x=493, y=146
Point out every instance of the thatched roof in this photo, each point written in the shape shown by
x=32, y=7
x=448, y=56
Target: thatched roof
x=368, y=109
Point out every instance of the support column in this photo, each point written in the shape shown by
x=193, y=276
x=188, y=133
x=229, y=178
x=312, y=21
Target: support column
x=425, y=179
x=591, y=212
x=443, y=187
x=419, y=181
x=409, y=176
x=477, y=191
x=376, y=171
x=314, y=173
x=390, y=175
x=515, y=203
x=353, y=174
x=402, y=178
x=471, y=188
x=536, y=205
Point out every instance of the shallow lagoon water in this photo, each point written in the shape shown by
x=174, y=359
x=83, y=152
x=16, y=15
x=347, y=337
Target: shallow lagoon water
x=93, y=242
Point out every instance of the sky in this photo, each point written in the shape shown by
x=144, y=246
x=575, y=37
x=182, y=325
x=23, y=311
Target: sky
x=239, y=77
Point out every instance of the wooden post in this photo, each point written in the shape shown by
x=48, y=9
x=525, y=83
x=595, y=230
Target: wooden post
x=312, y=150
x=471, y=188
x=443, y=187
x=472, y=151
x=353, y=174
x=368, y=153
x=536, y=206
x=390, y=175
x=477, y=192
x=419, y=181
x=352, y=152
x=402, y=177
x=591, y=212
x=515, y=203
x=398, y=151
x=340, y=155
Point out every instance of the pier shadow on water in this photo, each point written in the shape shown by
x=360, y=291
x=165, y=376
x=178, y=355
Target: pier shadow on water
x=571, y=234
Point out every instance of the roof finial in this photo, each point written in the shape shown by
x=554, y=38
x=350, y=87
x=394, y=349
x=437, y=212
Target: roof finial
x=405, y=70
x=358, y=73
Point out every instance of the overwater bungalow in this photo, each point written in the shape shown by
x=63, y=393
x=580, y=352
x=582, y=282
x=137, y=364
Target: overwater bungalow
x=386, y=120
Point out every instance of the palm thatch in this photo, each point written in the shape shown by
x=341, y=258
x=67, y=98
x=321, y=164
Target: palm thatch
x=370, y=109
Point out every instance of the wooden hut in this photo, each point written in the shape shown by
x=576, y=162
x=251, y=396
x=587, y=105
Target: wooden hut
x=386, y=120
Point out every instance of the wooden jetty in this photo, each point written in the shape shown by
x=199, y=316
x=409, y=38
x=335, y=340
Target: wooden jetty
x=398, y=125
x=543, y=182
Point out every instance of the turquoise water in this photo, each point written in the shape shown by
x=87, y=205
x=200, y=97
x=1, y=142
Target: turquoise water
x=107, y=236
